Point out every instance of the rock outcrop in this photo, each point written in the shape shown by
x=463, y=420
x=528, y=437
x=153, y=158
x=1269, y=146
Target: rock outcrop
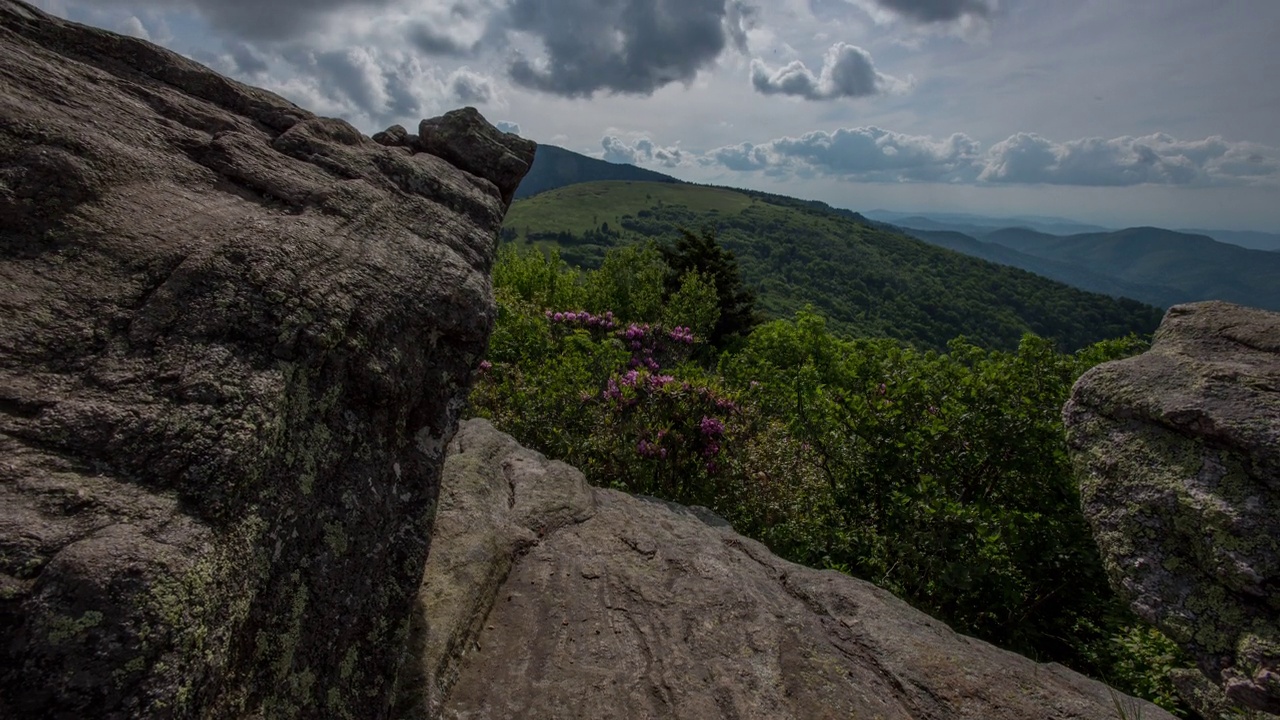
x=1178, y=454
x=234, y=340
x=545, y=597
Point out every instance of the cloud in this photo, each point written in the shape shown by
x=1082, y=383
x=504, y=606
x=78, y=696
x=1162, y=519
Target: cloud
x=847, y=72
x=936, y=11
x=1158, y=159
x=369, y=85
x=624, y=46
x=643, y=150
x=876, y=155
x=873, y=153
x=433, y=40
x=471, y=87
x=508, y=127
x=133, y=26
x=244, y=59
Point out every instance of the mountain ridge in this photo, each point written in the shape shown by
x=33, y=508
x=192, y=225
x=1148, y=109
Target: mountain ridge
x=867, y=279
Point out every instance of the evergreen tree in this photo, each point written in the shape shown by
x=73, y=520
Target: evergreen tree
x=701, y=253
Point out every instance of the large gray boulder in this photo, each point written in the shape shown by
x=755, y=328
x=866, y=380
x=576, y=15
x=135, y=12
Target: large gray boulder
x=545, y=597
x=234, y=341
x=1178, y=455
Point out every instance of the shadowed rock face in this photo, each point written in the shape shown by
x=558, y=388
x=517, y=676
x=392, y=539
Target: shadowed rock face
x=1178, y=454
x=234, y=338
x=545, y=597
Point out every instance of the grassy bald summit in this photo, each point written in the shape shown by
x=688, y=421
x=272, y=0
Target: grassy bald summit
x=555, y=167
x=868, y=280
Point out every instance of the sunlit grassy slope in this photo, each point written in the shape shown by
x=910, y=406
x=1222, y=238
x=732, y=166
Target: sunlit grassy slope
x=867, y=280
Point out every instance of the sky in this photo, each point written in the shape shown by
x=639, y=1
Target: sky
x=1141, y=112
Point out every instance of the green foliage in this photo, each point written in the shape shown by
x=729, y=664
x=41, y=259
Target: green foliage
x=942, y=476
x=868, y=281
x=536, y=279
x=695, y=304
x=699, y=252
x=1139, y=658
x=630, y=282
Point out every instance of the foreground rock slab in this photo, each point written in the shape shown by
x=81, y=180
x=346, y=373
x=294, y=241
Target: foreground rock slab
x=545, y=597
x=234, y=339
x=1178, y=454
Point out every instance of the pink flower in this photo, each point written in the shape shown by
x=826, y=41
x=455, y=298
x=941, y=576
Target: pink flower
x=711, y=427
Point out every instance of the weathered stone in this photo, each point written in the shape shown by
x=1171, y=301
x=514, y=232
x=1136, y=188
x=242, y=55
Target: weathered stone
x=394, y=136
x=478, y=148
x=1178, y=454
x=234, y=339
x=544, y=597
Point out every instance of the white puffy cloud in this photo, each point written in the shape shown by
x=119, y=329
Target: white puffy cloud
x=878, y=155
x=1158, y=159
x=869, y=153
x=508, y=127
x=643, y=150
x=471, y=88
x=133, y=26
x=847, y=72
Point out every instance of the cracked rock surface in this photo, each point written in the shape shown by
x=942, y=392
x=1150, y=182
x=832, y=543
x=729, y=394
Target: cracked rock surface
x=1178, y=455
x=234, y=339
x=563, y=600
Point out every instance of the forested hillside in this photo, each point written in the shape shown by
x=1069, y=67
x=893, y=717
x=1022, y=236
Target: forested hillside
x=1192, y=267
x=868, y=281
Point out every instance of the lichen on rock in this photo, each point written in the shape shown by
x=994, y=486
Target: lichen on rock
x=224, y=322
x=1178, y=455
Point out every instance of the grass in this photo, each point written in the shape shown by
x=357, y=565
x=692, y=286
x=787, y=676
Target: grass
x=583, y=207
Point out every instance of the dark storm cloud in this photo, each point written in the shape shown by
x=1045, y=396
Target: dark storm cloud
x=432, y=40
x=938, y=11
x=623, y=46
x=847, y=72
x=246, y=59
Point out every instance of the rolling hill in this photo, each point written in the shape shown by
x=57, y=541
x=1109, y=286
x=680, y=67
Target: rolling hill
x=868, y=280
x=555, y=167
x=1170, y=267
x=1064, y=272
x=1243, y=238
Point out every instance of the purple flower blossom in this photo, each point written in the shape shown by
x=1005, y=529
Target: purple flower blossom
x=485, y=365
x=711, y=427
x=681, y=334
x=658, y=381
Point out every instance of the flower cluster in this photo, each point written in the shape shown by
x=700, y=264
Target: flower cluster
x=583, y=319
x=681, y=335
x=646, y=449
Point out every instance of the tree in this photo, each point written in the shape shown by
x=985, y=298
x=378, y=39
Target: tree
x=702, y=253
